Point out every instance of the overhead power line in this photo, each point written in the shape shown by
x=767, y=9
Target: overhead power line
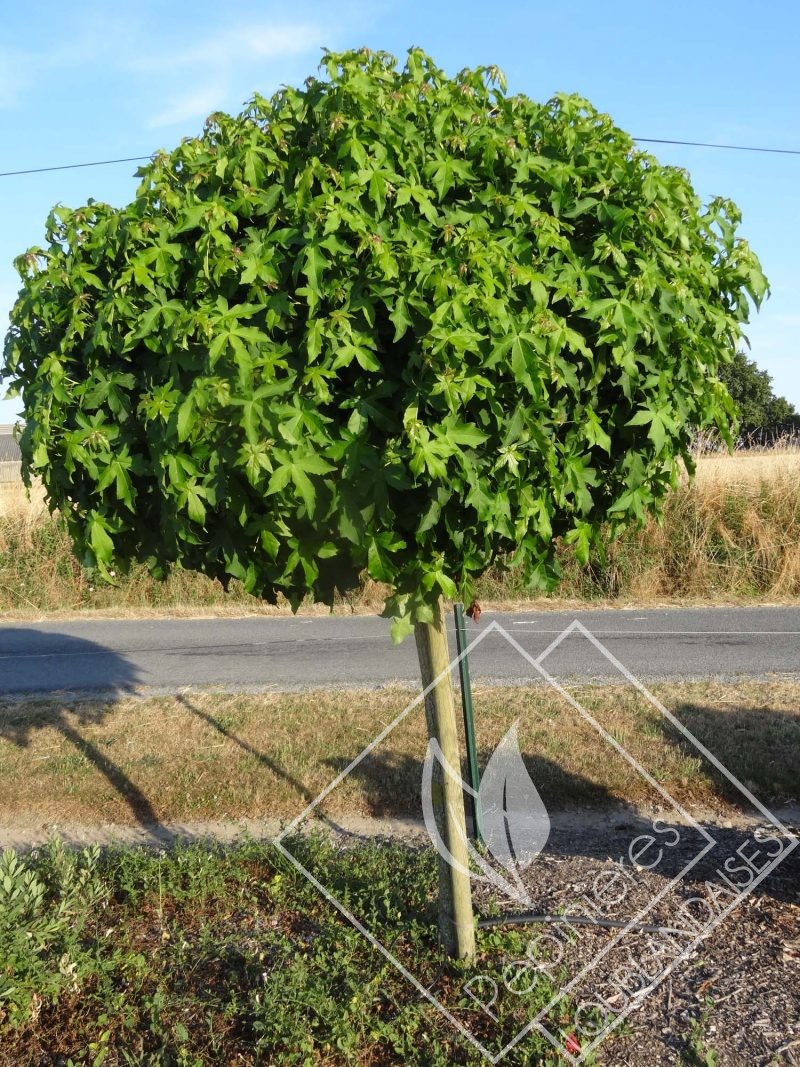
x=732, y=147
x=73, y=166
x=644, y=140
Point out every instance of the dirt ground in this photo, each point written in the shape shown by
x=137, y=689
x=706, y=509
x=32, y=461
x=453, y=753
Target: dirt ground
x=734, y=999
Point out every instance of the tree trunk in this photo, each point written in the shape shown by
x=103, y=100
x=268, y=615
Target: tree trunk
x=456, y=927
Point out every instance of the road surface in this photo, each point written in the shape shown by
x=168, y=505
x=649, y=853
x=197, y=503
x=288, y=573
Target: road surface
x=163, y=655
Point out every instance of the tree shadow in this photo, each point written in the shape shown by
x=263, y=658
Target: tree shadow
x=257, y=754
x=390, y=783
x=36, y=701
x=759, y=746
x=595, y=825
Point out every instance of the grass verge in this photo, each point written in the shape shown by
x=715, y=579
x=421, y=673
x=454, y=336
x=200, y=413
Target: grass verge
x=200, y=756
x=202, y=957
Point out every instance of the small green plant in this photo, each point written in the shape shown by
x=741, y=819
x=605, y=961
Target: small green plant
x=43, y=912
x=700, y=1055
x=255, y=965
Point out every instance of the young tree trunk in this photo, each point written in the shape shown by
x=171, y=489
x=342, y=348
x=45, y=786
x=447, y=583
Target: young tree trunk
x=456, y=927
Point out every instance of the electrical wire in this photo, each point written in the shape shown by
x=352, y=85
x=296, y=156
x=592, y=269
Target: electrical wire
x=643, y=140
x=72, y=166
x=731, y=147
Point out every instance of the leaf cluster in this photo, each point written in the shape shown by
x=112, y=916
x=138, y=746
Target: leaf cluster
x=391, y=321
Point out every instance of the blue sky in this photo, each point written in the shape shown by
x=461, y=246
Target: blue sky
x=91, y=81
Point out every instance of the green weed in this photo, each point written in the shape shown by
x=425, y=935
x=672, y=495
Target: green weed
x=201, y=956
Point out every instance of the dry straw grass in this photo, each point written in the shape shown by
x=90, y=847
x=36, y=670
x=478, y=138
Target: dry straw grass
x=214, y=756
x=750, y=469
x=732, y=534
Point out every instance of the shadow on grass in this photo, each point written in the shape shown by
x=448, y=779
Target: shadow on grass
x=759, y=746
x=258, y=755
x=390, y=783
x=25, y=656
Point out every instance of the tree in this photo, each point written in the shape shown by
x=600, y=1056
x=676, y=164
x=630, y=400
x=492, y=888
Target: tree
x=392, y=322
x=758, y=408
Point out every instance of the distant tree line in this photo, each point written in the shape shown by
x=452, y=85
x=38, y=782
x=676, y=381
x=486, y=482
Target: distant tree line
x=761, y=412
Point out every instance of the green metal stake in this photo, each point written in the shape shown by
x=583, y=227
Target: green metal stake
x=469, y=721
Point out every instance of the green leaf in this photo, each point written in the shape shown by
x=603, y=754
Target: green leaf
x=400, y=318
x=447, y=585
x=580, y=538
x=279, y=480
x=401, y=628
x=41, y=457
x=251, y=167
x=657, y=432
x=367, y=359
x=462, y=434
x=379, y=562
x=312, y=463
x=186, y=418
x=430, y=518
x=102, y=545
x=270, y=543
x=641, y=418
x=314, y=341
x=314, y=264
x=595, y=434
x=195, y=505
x=305, y=487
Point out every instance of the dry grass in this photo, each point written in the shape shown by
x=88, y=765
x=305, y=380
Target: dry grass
x=749, y=469
x=213, y=756
x=732, y=535
x=17, y=503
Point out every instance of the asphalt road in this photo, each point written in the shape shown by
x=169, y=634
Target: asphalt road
x=163, y=655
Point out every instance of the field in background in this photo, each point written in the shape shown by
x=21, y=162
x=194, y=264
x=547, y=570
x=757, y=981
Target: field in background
x=748, y=468
x=732, y=534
